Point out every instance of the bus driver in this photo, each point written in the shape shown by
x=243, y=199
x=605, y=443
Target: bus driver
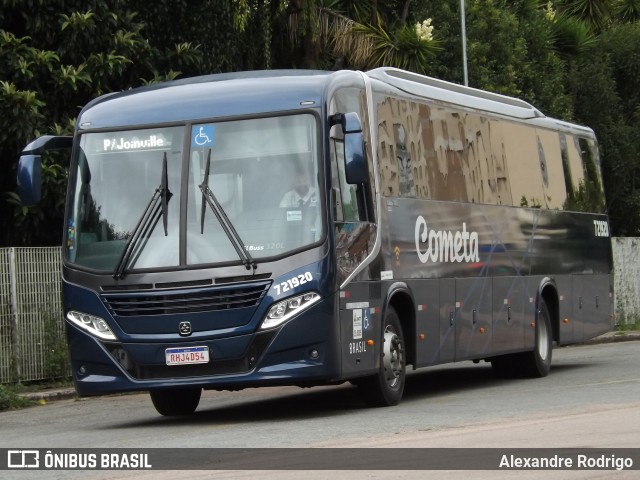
x=302, y=192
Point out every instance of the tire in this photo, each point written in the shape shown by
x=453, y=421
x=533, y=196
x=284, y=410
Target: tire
x=386, y=387
x=537, y=363
x=505, y=366
x=176, y=401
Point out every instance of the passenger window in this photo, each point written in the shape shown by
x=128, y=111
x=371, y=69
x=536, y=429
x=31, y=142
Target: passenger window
x=351, y=203
x=344, y=195
x=551, y=167
x=404, y=157
x=593, y=193
x=521, y=149
x=585, y=194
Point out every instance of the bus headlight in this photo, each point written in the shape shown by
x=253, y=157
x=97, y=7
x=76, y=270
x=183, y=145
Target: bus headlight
x=282, y=311
x=92, y=324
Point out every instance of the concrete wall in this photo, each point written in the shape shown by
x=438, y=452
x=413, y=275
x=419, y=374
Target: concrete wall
x=626, y=262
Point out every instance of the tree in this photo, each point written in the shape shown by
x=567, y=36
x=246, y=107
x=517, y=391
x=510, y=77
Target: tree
x=607, y=98
x=366, y=34
x=574, y=59
x=55, y=56
x=508, y=45
x=596, y=13
x=626, y=11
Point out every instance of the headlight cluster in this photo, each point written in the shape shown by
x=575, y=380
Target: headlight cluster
x=282, y=311
x=92, y=324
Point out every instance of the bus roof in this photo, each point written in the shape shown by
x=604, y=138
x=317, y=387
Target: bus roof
x=245, y=93
x=204, y=97
x=432, y=88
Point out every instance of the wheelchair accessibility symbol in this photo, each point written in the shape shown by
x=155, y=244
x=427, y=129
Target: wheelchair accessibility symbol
x=202, y=136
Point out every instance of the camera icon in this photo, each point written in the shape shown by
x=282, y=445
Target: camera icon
x=23, y=459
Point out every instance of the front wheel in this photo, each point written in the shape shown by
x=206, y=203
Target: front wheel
x=176, y=401
x=386, y=387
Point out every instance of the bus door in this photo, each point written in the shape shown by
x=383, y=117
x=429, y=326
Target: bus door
x=474, y=317
x=509, y=301
x=447, y=320
x=591, y=307
x=579, y=307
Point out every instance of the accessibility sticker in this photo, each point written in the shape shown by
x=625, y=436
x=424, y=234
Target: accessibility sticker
x=202, y=136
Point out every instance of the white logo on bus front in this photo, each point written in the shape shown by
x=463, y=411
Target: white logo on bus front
x=292, y=283
x=184, y=328
x=445, y=246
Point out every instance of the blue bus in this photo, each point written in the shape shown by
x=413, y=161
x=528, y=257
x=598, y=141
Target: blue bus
x=311, y=228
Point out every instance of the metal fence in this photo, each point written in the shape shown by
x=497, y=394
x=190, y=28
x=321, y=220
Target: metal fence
x=32, y=327
x=31, y=324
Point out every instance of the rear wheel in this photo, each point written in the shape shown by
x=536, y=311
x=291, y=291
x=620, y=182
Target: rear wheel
x=505, y=366
x=386, y=387
x=537, y=363
x=176, y=401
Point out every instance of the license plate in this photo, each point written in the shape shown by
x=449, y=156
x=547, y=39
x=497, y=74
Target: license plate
x=186, y=355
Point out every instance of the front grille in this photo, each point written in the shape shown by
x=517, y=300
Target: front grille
x=185, y=301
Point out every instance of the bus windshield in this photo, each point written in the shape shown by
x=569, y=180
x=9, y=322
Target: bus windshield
x=251, y=184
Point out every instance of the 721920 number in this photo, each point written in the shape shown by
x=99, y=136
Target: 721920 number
x=292, y=283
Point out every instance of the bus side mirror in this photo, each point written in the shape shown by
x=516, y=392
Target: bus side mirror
x=354, y=159
x=29, y=179
x=29, y=175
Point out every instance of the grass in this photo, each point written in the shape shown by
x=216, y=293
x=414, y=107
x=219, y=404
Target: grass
x=45, y=384
x=628, y=327
x=11, y=397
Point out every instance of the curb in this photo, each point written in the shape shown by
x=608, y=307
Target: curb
x=613, y=337
x=49, y=396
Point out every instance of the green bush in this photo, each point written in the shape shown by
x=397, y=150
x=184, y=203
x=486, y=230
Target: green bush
x=10, y=399
x=56, y=351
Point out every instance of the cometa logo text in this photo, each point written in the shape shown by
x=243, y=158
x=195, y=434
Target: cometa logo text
x=443, y=246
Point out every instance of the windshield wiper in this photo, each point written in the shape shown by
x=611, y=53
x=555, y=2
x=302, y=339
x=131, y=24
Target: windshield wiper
x=157, y=206
x=223, y=219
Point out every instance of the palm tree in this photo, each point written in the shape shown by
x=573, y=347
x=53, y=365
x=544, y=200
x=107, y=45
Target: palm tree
x=362, y=34
x=596, y=13
x=627, y=11
x=571, y=36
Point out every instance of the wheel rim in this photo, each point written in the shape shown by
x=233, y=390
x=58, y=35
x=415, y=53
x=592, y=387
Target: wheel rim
x=393, y=357
x=543, y=339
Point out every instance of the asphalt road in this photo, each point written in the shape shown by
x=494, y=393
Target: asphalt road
x=590, y=399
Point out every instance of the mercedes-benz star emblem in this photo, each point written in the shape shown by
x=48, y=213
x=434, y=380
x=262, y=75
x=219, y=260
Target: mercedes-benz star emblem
x=184, y=328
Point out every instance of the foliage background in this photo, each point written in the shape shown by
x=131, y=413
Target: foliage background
x=577, y=60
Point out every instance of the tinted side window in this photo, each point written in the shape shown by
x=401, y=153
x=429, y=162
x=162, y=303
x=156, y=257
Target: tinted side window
x=587, y=195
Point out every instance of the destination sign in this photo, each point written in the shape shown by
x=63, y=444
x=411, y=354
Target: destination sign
x=122, y=143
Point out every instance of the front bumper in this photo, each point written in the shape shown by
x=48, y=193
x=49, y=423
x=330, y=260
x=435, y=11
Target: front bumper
x=303, y=351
